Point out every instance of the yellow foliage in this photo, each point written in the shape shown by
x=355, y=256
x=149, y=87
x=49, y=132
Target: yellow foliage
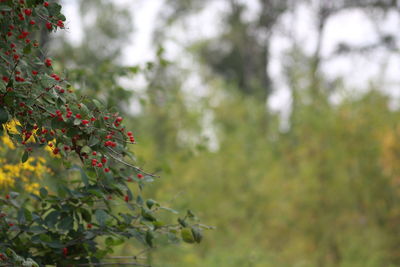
x=23, y=173
x=7, y=142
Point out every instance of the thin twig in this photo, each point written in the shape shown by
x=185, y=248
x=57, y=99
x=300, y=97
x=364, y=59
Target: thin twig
x=116, y=263
x=130, y=165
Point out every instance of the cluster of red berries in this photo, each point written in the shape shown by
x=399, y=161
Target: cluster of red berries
x=55, y=77
x=131, y=138
x=48, y=62
x=99, y=163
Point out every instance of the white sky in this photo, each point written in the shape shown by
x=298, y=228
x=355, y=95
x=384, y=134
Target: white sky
x=351, y=27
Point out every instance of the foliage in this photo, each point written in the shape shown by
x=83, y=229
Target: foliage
x=80, y=221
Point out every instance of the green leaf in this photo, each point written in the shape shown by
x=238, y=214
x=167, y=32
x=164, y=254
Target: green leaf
x=25, y=157
x=98, y=104
x=170, y=210
x=93, y=140
x=52, y=218
x=5, y=8
x=67, y=223
x=101, y=217
x=86, y=149
x=149, y=238
x=37, y=229
x=150, y=203
x=27, y=49
x=85, y=178
x=86, y=215
x=197, y=234
x=182, y=222
x=55, y=244
x=43, y=192
x=21, y=216
x=187, y=235
x=3, y=115
x=148, y=215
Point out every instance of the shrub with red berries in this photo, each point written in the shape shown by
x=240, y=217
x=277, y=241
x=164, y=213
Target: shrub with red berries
x=62, y=227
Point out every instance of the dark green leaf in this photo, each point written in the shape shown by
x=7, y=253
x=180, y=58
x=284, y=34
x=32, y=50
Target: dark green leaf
x=101, y=217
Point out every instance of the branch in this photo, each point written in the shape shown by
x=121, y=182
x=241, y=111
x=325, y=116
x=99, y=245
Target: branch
x=130, y=165
x=116, y=263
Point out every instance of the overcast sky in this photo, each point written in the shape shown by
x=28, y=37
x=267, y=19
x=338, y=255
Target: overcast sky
x=351, y=27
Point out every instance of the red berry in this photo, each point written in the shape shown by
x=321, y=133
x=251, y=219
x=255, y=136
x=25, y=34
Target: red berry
x=65, y=251
x=49, y=26
x=60, y=24
x=34, y=72
x=106, y=169
x=119, y=119
x=28, y=12
x=94, y=153
x=32, y=22
x=46, y=4
x=106, y=117
x=89, y=226
x=140, y=176
x=5, y=79
x=126, y=198
x=55, y=151
x=92, y=119
x=48, y=62
x=100, y=165
x=7, y=196
x=129, y=133
x=11, y=224
x=104, y=160
x=85, y=122
x=78, y=116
